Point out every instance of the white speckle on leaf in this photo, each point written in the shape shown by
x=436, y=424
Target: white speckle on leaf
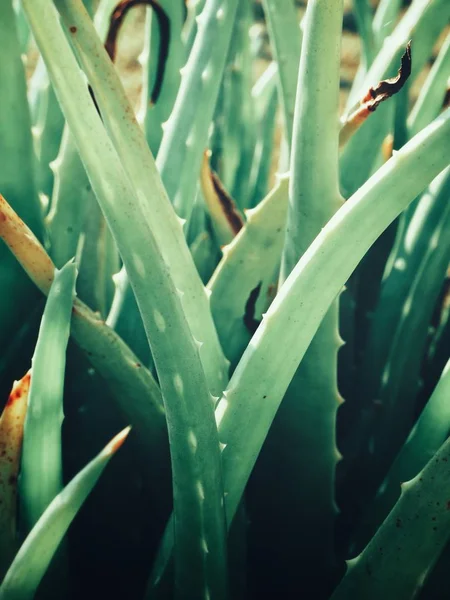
x=200, y=490
x=400, y=264
x=139, y=265
x=159, y=320
x=178, y=383
x=192, y=439
x=206, y=74
x=407, y=307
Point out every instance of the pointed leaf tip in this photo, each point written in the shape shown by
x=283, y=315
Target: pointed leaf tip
x=117, y=441
x=19, y=389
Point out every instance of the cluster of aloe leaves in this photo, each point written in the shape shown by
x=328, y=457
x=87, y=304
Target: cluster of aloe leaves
x=273, y=350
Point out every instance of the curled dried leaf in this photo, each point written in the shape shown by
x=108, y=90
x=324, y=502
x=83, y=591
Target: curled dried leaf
x=116, y=21
x=375, y=96
x=388, y=87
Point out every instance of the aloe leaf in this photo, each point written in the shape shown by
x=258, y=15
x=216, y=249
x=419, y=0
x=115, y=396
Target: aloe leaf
x=11, y=435
x=431, y=96
x=357, y=161
x=413, y=246
x=17, y=180
x=398, y=558
x=359, y=155
x=248, y=262
x=286, y=39
x=34, y=556
x=47, y=132
x=384, y=22
x=363, y=15
x=420, y=14
x=72, y=197
x=425, y=439
x=434, y=21
x=136, y=159
x=200, y=557
x=186, y=131
x=22, y=27
x=41, y=466
x=154, y=114
x=198, y=223
x=248, y=407
x=72, y=193
x=419, y=285
x=205, y=254
x=194, y=9
x=385, y=19
x=98, y=262
x=125, y=319
x=17, y=172
x=306, y=422
x=262, y=158
x=437, y=352
x=133, y=386
x=262, y=376
x=41, y=474
x=236, y=110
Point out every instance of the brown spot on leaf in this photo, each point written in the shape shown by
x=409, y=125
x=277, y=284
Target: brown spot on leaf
x=446, y=102
x=249, y=315
x=73, y=29
x=398, y=523
x=19, y=389
x=227, y=204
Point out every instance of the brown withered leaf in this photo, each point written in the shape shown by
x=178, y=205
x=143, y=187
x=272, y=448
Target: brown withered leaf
x=226, y=219
x=388, y=87
x=382, y=91
x=116, y=21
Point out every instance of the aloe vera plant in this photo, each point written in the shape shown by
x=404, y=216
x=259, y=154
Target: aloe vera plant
x=277, y=342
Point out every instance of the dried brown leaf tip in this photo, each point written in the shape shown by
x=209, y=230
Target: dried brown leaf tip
x=117, y=17
x=375, y=96
x=446, y=102
x=388, y=87
x=11, y=435
x=227, y=220
x=227, y=204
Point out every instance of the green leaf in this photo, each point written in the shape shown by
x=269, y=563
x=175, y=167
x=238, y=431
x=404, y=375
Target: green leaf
x=41, y=467
x=33, y=558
